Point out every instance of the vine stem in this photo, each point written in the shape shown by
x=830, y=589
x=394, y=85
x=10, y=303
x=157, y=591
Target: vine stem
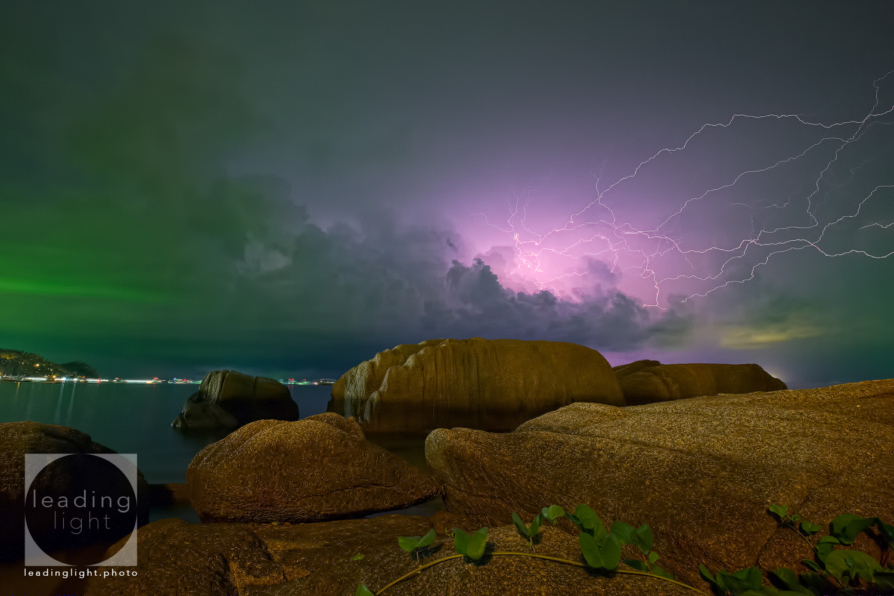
x=794, y=527
x=533, y=556
x=798, y=532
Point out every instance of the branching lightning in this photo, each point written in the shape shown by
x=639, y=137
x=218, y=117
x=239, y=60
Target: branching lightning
x=665, y=258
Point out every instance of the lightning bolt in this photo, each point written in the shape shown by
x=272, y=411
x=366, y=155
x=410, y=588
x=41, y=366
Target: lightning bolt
x=596, y=231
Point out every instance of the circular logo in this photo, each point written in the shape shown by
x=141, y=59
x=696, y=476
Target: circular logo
x=78, y=500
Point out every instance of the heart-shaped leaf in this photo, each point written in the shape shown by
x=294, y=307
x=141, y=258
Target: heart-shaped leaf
x=591, y=550
x=535, y=526
x=816, y=583
x=653, y=556
x=611, y=552
x=852, y=561
x=706, y=575
x=477, y=542
x=553, y=513
x=731, y=583
x=809, y=528
x=751, y=576
x=527, y=531
x=624, y=532
x=886, y=531
x=590, y=521
x=427, y=540
x=362, y=590
x=642, y=538
x=409, y=543
x=825, y=546
x=841, y=522
x=460, y=541
x=854, y=528
x=788, y=577
x=779, y=510
x=520, y=524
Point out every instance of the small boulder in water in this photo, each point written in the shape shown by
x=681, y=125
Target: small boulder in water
x=229, y=399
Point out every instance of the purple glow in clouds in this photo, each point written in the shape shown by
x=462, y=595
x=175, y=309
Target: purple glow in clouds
x=694, y=218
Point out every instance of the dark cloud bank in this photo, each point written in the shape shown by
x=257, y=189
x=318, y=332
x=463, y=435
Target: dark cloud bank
x=136, y=238
x=390, y=283
x=152, y=258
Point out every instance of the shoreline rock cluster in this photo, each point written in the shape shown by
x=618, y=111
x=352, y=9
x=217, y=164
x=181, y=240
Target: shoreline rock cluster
x=700, y=472
x=495, y=385
x=280, y=499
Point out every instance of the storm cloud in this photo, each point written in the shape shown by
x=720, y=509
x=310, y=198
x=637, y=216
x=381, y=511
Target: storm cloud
x=288, y=188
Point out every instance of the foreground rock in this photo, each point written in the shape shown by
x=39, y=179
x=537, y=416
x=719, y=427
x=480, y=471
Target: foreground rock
x=252, y=560
x=649, y=381
x=485, y=384
x=319, y=468
x=700, y=472
x=67, y=477
x=227, y=399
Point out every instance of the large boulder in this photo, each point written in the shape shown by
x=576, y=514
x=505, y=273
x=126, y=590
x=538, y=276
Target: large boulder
x=648, y=381
x=700, y=472
x=493, y=385
x=319, y=468
x=228, y=399
x=68, y=478
x=321, y=558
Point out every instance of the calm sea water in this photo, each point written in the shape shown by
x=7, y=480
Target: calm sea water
x=130, y=418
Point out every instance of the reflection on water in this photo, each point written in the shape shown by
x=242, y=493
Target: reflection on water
x=137, y=419
x=130, y=418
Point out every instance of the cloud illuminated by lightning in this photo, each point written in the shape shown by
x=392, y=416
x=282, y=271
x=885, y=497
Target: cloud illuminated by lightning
x=668, y=260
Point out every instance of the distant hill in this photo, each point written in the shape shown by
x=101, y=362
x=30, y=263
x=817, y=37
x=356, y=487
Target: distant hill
x=17, y=363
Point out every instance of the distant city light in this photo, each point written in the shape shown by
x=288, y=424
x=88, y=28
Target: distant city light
x=152, y=381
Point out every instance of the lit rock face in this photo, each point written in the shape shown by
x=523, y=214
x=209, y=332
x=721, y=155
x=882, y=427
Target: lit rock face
x=700, y=472
x=648, y=381
x=493, y=385
x=66, y=477
x=228, y=399
x=315, y=469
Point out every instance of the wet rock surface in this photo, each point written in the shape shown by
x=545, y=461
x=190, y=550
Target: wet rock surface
x=318, y=468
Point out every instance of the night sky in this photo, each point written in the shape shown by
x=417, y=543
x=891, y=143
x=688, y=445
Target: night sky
x=288, y=187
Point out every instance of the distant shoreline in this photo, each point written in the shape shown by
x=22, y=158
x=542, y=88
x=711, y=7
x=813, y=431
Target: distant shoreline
x=175, y=381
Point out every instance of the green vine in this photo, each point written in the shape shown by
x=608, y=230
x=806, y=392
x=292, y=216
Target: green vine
x=601, y=549
x=834, y=570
